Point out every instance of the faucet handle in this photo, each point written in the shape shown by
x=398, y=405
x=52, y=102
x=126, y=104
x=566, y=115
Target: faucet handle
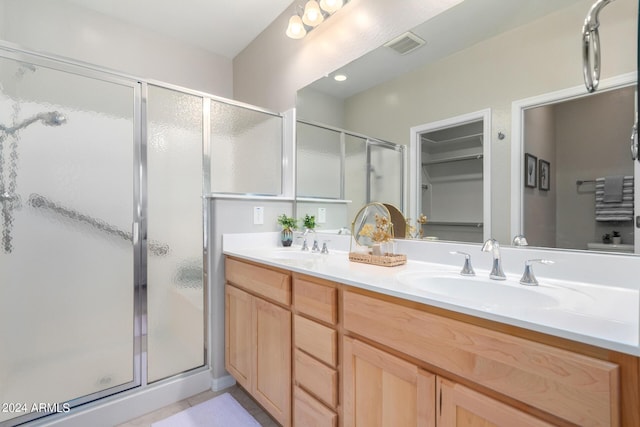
x=467, y=269
x=325, y=250
x=528, y=277
x=520, y=240
x=305, y=247
x=316, y=247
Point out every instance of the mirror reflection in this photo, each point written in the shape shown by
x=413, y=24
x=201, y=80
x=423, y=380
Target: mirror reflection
x=487, y=55
x=582, y=195
x=339, y=171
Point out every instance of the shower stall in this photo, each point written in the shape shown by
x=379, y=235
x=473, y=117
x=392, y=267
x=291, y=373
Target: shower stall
x=102, y=234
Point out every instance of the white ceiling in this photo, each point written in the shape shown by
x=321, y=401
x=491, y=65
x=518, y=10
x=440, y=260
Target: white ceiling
x=224, y=27
x=458, y=28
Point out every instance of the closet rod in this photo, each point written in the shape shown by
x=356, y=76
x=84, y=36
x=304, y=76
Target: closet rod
x=453, y=159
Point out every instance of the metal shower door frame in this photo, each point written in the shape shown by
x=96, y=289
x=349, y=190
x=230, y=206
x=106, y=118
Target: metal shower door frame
x=138, y=215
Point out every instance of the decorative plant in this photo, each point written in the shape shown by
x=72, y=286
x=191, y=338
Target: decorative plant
x=422, y=220
x=381, y=232
x=309, y=222
x=287, y=222
x=616, y=233
x=411, y=230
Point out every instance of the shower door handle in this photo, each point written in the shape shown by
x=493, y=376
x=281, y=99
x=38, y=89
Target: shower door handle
x=138, y=232
x=135, y=233
x=634, y=143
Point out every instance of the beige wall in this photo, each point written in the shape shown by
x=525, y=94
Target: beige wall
x=273, y=67
x=596, y=148
x=541, y=57
x=539, y=206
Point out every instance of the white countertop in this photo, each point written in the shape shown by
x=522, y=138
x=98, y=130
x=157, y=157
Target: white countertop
x=604, y=316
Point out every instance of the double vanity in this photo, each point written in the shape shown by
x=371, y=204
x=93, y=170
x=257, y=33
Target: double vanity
x=318, y=340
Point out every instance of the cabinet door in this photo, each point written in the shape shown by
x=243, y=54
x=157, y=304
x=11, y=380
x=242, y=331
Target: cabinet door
x=381, y=390
x=238, y=335
x=463, y=407
x=272, y=374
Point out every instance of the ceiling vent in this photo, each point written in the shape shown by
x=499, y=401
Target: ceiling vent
x=405, y=43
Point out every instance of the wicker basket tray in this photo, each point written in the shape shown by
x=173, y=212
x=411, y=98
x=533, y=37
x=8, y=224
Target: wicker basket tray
x=388, y=260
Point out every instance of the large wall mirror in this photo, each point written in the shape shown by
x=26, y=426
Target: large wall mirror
x=489, y=55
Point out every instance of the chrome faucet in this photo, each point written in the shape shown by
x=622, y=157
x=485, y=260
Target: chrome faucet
x=528, y=278
x=493, y=246
x=315, y=247
x=467, y=269
x=520, y=240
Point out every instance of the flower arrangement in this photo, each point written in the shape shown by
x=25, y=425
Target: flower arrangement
x=422, y=220
x=381, y=232
x=415, y=231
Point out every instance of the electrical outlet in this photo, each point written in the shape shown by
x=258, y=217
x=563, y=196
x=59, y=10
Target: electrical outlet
x=258, y=215
x=322, y=215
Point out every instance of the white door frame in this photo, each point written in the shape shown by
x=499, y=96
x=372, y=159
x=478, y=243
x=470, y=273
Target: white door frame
x=517, y=140
x=415, y=162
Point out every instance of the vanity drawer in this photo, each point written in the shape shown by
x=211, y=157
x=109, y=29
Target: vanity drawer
x=270, y=284
x=317, y=378
x=316, y=339
x=571, y=386
x=315, y=300
x=308, y=412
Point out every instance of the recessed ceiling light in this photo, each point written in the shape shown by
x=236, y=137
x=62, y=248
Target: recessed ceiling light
x=340, y=77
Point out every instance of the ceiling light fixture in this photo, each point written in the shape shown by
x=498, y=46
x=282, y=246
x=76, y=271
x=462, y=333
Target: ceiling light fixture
x=312, y=15
x=339, y=77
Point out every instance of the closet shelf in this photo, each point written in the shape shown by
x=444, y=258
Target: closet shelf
x=453, y=159
x=478, y=136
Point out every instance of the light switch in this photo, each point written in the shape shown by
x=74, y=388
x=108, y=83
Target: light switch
x=322, y=215
x=258, y=215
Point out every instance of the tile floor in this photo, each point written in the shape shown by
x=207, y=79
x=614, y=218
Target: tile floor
x=237, y=392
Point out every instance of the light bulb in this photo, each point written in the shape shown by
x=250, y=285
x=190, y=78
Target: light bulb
x=331, y=6
x=312, y=14
x=296, y=29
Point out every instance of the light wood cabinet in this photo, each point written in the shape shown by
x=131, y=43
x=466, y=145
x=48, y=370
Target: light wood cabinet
x=316, y=364
x=318, y=353
x=381, y=390
x=308, y=412
x=258, y=336
x=460, y=406
x=239, y=337
x=573, y=387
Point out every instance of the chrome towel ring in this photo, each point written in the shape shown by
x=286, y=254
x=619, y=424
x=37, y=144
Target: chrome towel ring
x=591, y=46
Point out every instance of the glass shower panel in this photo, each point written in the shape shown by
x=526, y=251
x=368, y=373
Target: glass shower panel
x=66, y=259
x=246, y=147
x=386, y=171
x=319, y=162
x=175, y=292
x=355, y=175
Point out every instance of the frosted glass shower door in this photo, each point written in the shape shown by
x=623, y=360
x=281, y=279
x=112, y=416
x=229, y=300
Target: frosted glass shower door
x=386, y=174
x=175, y=291
x=67, y=151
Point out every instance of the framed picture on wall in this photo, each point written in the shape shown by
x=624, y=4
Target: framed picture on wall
x=530, y=170
x=544, y=175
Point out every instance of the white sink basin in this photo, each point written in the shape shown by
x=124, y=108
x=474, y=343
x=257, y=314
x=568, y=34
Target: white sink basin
x=293, y=254
x=490, y=295
x=478, y=292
